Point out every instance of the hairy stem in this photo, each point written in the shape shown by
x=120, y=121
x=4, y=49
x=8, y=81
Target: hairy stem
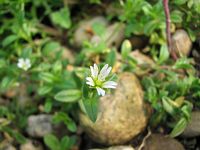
x=168, y=33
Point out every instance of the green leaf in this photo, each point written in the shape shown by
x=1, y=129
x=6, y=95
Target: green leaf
x=26, y=53
x=91, y=107
x=68, y=96
x=164, y=54
x=62, y=18
x=167, y=106
x=150, y=27
x=111, y=58
x=77, y=79
x=176, y=16
x=187, y=110
x=52, y=142
x=95, y=1
x=63, y=117
x=99, y=28
x=51, y=47
x=191, y=34
x=47, y=77
x=190, y=3
x=2, y=63
x=179, y=127
x=44, y=90
x=48, y=105
x=126, y=48
x=85, y=90
x=8, y=40
x=67, y=142
x=57, y=67
x=183, y=63
x=7, y=82
x=18, y=136
x=180, y=2
x=71, y=125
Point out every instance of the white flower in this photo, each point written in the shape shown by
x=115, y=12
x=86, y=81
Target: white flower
x=24, y=63
x=98, y=79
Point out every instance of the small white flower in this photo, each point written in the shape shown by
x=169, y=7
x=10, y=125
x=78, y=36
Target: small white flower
x=98, y=79
x=24, y=63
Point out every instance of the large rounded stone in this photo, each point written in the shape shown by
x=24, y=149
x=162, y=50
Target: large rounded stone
x=39, y=125
x=144, y=63
x=193, y=128
x=83, y=33
x=113, y=34
x=181, y=43
x=161, y=142
x=31, y=145
x=121, y=116
x=117, y=148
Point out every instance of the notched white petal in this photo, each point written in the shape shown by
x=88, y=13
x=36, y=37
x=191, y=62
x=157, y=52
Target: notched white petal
x=104, y=69
x=90, y=81
x=104, y=72
x=24, y=64
x=100, y=91
x=96, y=70
x=110, y=84
x=107, y=72
x=92, y=71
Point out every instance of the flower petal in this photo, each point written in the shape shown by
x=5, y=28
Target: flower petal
x=96, y=70
x=100, y=91
x=104, y=69
x=107, y=72
x=104, y=72
x=90, y=81
x=110, y=84
x=21, y=60
x=92, y=71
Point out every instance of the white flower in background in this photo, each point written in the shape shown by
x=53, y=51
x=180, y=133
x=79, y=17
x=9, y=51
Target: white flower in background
x=24, y=63
x=98, y=79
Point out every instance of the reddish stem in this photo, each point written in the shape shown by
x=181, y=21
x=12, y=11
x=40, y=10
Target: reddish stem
x=168, y=33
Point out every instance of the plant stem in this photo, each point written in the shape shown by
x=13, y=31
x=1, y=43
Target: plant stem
x=168, y=33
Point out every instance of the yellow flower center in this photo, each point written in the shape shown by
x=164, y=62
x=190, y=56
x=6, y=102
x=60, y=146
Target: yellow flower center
x=98, y=83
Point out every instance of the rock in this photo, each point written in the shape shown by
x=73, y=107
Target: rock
x=67, y=54
x=82, y=33
x=39, y=125
x=117, y=148
x=181, y=43
x=31, y=145
x=161, y=142
x=144, y=63
x=113, y=36
x=121, y=116
x=193, y=128
x=19, y=91
x=8, y=147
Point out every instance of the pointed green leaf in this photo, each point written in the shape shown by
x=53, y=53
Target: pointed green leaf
x=68, y=96
x=164, y=54
x=179, y=127
x=52, y=142
x=62, y=18
x=126, y=48
x=91, y=107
